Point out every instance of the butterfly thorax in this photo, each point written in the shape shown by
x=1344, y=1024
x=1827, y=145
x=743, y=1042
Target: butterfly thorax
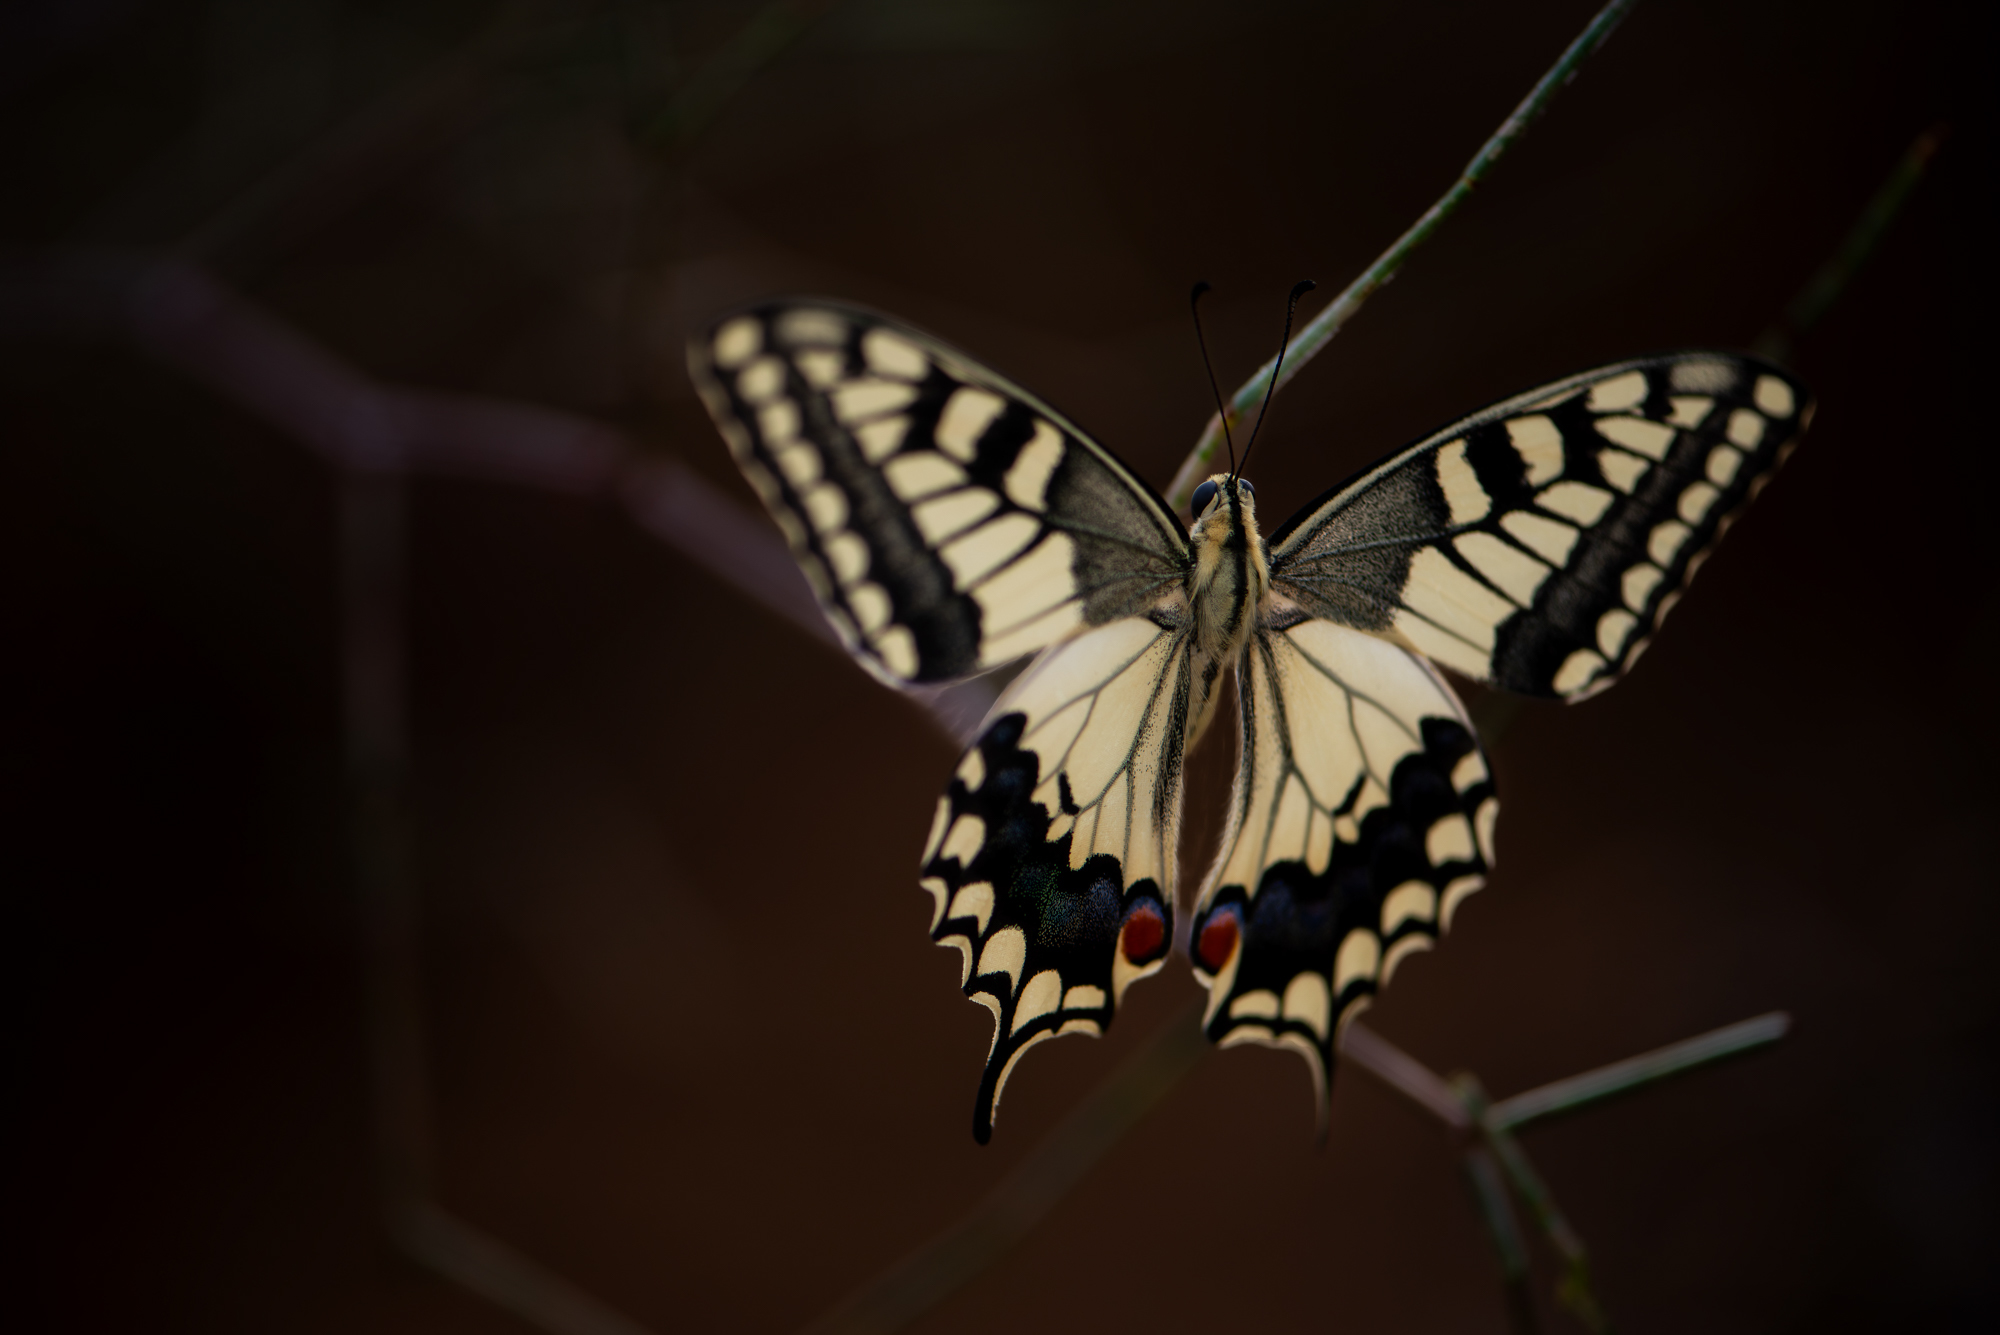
x=1227, y=579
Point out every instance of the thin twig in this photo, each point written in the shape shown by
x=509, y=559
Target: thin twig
x=1580, y=1091
x=1329, y=321
x=1489, y=1197
x=1825, y=286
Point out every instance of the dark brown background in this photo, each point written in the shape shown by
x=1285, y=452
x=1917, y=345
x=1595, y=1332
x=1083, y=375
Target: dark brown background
x=690, y=1048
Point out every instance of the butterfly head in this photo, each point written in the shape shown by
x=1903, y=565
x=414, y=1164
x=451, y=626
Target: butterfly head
x=1225, y=497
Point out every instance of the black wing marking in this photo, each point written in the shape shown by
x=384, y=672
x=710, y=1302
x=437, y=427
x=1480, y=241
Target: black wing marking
x=1363, y=815
x=1052, y=856
x=948, y=520
x=1540, y=543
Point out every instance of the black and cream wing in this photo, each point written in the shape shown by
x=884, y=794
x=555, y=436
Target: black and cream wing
x=1051, y=859
x=1540, y=543
x=1362, y=817
x=948, y=520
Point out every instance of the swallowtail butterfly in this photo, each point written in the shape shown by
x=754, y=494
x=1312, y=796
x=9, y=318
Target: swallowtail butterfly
x=950, y=522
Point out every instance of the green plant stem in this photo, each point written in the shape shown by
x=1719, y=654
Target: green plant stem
x=1489, y=1197
x=1810, y=306
x=1574, y=1290
x=1328, y=322
x=1580, y=1091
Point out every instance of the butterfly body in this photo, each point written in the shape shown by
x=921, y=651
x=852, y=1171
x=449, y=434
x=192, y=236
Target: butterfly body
x=949, y=521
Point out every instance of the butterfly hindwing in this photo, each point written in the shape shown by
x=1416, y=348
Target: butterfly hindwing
x=948, y=520
x=1052, y=856
x=1362, y=816
x=1539, y=544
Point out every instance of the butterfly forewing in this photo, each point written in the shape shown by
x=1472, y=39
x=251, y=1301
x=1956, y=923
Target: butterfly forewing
x=1363, y=815
x=1540, y=543
x=947, y=520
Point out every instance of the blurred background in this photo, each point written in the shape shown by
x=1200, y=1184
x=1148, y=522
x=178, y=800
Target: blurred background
x=683, y=1040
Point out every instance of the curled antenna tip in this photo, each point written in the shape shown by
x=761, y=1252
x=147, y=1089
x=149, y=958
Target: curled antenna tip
x=1300, y=288
x=1195, y=296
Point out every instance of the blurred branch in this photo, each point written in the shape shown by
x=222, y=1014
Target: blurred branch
x=499, y=1274
x=1579, y=1091
x=1025, y=1196
x=760, y=41
x=1826, y=285
x=1328, y=322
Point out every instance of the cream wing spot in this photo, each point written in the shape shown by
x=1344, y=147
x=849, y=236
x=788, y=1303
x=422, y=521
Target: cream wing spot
x=762, y=379
x=1723, y=463
x=1746, y=428
x=897, y=648
x=964, y=944
x=880, y=439
x=893, y=355
x=806, y=325
x=922, y=473
x=1028, y=480
x=826, y=507
x=1550, y=539
x=988, y=547
x=1411, y=899
x=1620, y=469
x=1448, y=840
x=1464, y=496
x=1400, y=951
x=1612, y=630
x=1666, y=540
x=737, y=342
x=1439, y=646
x=1540, y=446
x=967, y=414
x=1618, y=393
x=1006, y=951
x=1026, y=588
x=1774, y=396
x=1578, y=670
x=1454, y=895
x=821, y=366
x=865, y=397
x=870, y=603
x=973, y=901
x=972, y=770
x=848, y=555
x=1651, y=439
x=1470, y=769
x=939, y=893
x=1307, y=1001
x=1359, y=956
x=800, y=465
x=967, y=837
x=1261, y=1005
x=778, y=422
x=1638, y=583
x=948, y=515
x=1083, y=997
x=1042, y=996
x=1703, y=377
x=939, y=823
x=1577, y=500
x=1454, y=600
x=1689, y=410
x=1505, y=566
x=1697, y=500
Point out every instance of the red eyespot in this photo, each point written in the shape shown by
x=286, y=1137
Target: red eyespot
x=1144, y=930
x=1218, y=942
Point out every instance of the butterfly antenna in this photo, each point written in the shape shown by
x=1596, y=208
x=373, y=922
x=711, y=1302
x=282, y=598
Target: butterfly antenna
x=1291, y=308
x=1194, y=304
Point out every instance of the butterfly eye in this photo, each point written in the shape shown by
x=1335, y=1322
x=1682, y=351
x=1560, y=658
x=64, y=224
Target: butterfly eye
x=1203, y=495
